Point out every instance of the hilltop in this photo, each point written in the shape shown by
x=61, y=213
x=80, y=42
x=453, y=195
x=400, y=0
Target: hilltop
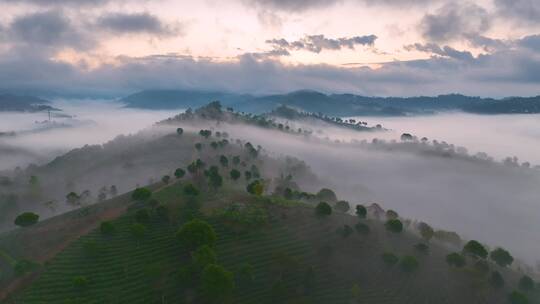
x=18, y=103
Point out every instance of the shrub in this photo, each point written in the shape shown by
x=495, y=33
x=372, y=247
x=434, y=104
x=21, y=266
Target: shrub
x=107, y=228
x=482, y=267
x=456, y=260
x=361, y=211
x=80, y=282
x=137, y=230
x=245, y=273
x=162, y=211
x=362, y=228
x=235, y=174
x=179, y=131
x=475, y=249
x=26, y=219
x=394, y=225
x=408, y=263
x=501, y=257
x=389, y=258
x=217, y=284
x=22, y=267
x=196, y=233
x=255, y=187
x=166, y=179
x=323, y=209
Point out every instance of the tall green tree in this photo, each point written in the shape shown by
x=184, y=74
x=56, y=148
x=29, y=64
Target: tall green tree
x=217, y=284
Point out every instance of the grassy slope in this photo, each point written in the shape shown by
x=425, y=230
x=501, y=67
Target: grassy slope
x=122, y=273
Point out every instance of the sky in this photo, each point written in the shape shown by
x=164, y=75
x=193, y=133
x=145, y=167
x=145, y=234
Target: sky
x=369, y=47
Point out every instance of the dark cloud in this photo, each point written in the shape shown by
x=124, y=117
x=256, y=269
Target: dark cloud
x=135, y=23
x=445, y=51
x=317, y=43
x=522, y=11
x=49, y=29
x=303, y=5
x=454, y=20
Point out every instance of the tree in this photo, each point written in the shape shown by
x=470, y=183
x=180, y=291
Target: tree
x=362, y=228
x=142, y=216
x=217, y=284
x=73, y=199
x=456, y=260
x=516, y=297
x=526, y=283
x=501, y=257
x=496, y=280
x=255, y=188
x=191, y=190
x=342, y=206
x=113, y=191
x=141, y=194
x=361, y=211
x=406, y=137
x=179, y=173
x=214, y=145
x=107, y=228
x=394, y=225
x=198, y=146
x=323, y=209
x=224, y=161
x=214, y=178
x=327, y=195
x=26, y=219
x=389, y=258
x=196, y=233
x=235, y=174
x=179, y=131
x=137, y=231
x=236, y=160
x=22, y=267
x=426, y=231
x=165, y=179
x=475, y=249
x=408, y=263
x=204, y=256
x=205, y=133
x=391, y=214
x=247, y=175
x=246, y=273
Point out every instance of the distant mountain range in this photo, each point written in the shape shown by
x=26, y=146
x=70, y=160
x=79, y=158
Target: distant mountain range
x=334, y=104
x=9, y=102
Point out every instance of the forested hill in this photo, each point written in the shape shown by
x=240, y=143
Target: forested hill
x=334, y=104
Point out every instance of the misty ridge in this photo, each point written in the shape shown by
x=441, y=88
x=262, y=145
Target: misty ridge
x=424, y=179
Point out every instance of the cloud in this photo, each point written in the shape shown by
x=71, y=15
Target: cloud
x=57, y=2
x=123, y=23
x=531, y=42
x=512, y=71
x=522, y=11
x=49, y=28
x=303, y=5
x=452, y=21
x=445, y=51
x=317, y=43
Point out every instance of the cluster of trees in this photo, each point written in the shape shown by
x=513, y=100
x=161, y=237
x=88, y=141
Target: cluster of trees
x=216, y=283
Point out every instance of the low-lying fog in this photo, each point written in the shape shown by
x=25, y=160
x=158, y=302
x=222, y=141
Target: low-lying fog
x=490, y=202
x=498, y=135
x=92, y=122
